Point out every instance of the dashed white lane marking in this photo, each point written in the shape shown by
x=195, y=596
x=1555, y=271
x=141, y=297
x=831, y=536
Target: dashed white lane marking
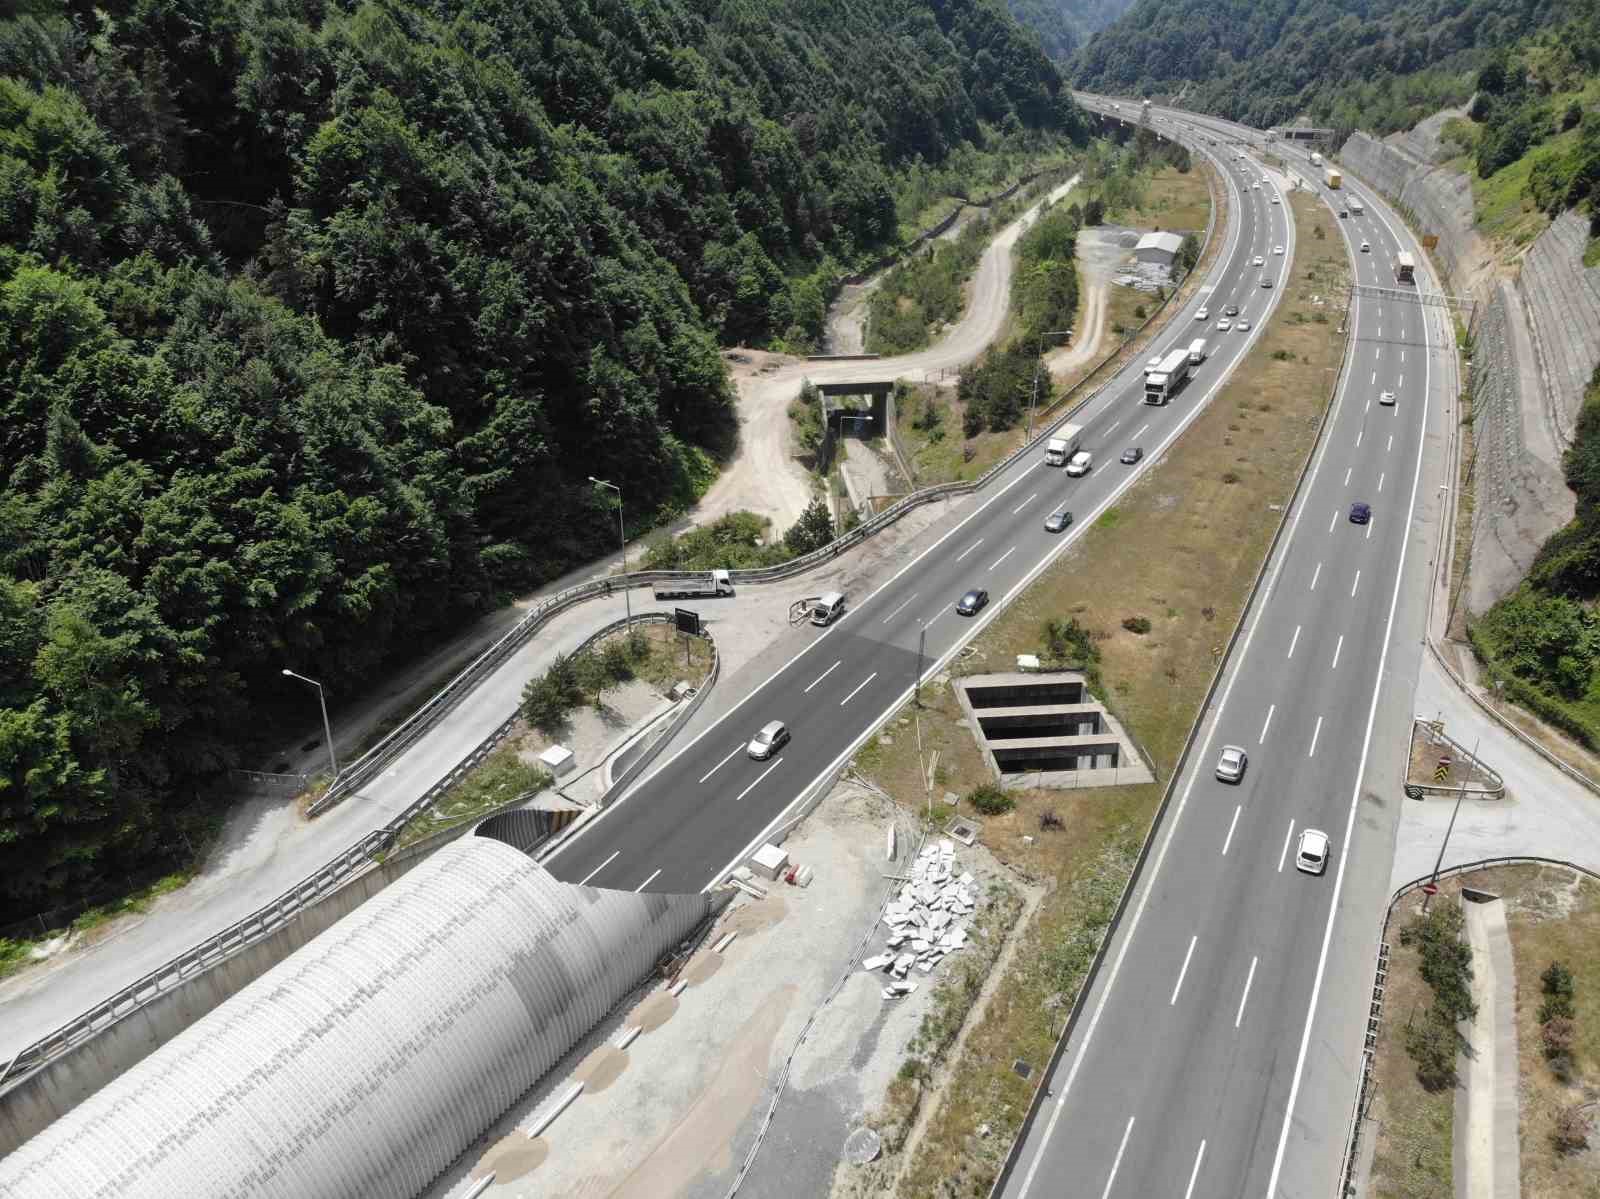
x=807, y=691
x=757, y=783
x=736, y=749
x=600, y=867
x=1249, y=978
x=858, y=687
x=1287, y=837
x=1266, y=724
x=1117, y=1164
x=969, y=549
x=1337, y=650
x=1231, y=826
x=647, y=882
x=1178, y=986
x=1315, y=734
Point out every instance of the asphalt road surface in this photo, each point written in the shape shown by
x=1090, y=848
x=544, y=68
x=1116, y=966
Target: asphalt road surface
x=709, y=805
x=1181, y=1078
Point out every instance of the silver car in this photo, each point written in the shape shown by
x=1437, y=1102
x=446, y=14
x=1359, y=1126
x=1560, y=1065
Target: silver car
x=772, y=737
x=1231, y=765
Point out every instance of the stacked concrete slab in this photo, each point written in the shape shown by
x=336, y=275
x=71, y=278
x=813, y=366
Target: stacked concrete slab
x=927, y=920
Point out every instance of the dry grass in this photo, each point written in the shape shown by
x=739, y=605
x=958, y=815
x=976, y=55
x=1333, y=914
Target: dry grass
x=1427, y=754
x=1173, y=200
x=1187, y=566
x=1412, y=1153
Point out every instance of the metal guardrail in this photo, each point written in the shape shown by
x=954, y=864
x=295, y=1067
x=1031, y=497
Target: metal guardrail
x=273, y=915
x=1013, y=1156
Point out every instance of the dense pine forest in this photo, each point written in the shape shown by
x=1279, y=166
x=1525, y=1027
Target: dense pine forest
x=315, y=316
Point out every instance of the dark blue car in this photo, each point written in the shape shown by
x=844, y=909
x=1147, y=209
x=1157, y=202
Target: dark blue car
x=1360, y=513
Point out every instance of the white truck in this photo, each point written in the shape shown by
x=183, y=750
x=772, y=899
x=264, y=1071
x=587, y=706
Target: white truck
x=705, y=585
x=1161, y=383
x=1333, y=178
x=1080, y=463
x=1316, y=160
x=1356, y=206
x=1063, y=445
x=1197, y=351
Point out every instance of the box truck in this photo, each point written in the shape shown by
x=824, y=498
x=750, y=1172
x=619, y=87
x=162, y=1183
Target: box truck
x=1197, y=351
x=1356, y=205
x=1063, y=445
x=1333, y=178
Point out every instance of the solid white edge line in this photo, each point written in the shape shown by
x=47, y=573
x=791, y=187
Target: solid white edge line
x=807, y=690
x=1117, y=1164
x=1184, y=969
x=1284, y=856
x=757, y=783
x=1249, y=978
x=1361, y=771
x=599, y=868
x=1232, y=824
x=1176, y=816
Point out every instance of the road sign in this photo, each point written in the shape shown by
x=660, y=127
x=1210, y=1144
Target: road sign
x=687, y=621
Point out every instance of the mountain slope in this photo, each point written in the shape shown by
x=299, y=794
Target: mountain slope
x=1342, y=62
x=317, y=315
x=1064, y=25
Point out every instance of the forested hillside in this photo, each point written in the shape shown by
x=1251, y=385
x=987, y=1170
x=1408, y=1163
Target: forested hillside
x=1346, y=63
x=1064, y=25
x=315, y=316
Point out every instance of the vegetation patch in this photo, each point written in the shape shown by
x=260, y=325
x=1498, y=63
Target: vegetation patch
x=497, y=780
x=1194, y=563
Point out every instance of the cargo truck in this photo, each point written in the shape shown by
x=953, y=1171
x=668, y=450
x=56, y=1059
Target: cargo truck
x=1333, y=178
x=1160, y=384
x=1063, y=445
x=701, y=586
x=1197, y=351
x=1356, y=205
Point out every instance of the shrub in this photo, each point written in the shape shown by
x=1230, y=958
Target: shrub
x=1137, y=624
x=1431, y=1043
x=1572, y=1129
x=1556, y=980
x=1048, y=819
x=1557, y=1037
x=991, y=800
x=1446, y=962
x=1229, y=476
x=1138, y=311
x=1555, y=1007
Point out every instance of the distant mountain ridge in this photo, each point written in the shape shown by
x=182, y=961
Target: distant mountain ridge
x=1064, y=25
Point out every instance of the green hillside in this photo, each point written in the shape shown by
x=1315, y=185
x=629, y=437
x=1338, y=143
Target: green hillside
x=1347, y=63
x=318, y=314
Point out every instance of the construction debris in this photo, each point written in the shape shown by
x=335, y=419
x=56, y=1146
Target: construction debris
x=927, y=919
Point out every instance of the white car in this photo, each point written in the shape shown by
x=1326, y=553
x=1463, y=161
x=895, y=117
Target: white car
x=1203, y=314
x=1258, y=261
x=1231, y=765
x=1366, y=248
x=772, y=737
x=1277, y=249
x=1386, y=397
x=1224, y=325
x=1275, y=197
x=1311, y=855
x=1241, y=325
x=1256, y=185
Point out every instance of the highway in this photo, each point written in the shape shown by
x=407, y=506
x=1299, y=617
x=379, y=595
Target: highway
x=1183, y=1078
x=709, y=805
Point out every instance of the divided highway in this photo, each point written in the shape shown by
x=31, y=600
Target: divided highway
x=1183, y=1076
x=709, y=805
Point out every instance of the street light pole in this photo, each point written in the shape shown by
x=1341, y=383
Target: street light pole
x=327, y=729
x=1038, y=358
x=623, y=537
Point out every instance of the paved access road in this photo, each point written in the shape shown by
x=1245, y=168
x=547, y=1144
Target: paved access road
x=1181, y=1078
x=709, y=805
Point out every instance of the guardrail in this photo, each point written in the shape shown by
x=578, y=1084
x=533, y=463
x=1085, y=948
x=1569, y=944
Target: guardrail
x=337, y=871
x=1081, y=999
x=334, y=874
x=1353, y=1135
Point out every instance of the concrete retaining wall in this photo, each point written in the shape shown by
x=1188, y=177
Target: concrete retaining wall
x=66, y=1081
x=1563, y=302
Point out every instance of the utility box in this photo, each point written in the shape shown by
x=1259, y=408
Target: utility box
x=769, y=862
x=558, y=760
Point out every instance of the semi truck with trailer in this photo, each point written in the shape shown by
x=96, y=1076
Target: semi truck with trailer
x=1160, y=384
x=1063, y=445
x=705, y=585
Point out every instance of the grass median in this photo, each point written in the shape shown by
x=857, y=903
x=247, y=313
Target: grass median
x=1179, y=550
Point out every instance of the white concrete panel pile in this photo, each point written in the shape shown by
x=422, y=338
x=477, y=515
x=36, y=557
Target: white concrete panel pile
x=369, y=1060
x=927, y=921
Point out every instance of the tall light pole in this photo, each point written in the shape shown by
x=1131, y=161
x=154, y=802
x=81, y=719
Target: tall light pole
x=1037, y=359
x=623, y=537
x=327, y=729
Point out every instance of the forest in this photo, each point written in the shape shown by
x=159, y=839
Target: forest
x=318, y=314
x=1344, y=63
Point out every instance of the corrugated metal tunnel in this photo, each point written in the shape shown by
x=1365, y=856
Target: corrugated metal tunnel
x=366, y=1062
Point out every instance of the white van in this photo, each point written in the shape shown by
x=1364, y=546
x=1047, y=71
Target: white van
x=827, y=608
